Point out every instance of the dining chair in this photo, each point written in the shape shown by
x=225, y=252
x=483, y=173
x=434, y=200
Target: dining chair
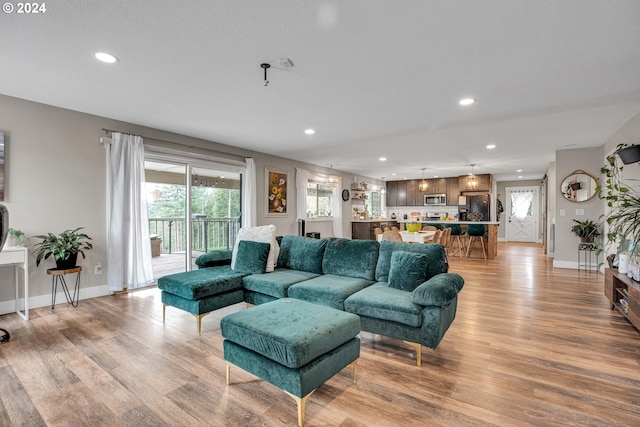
x=393, y=236
x=429, y=228
x=476, y=232
x=387, y=229
x=377, y=230
x=394, y=228
x=445, y=239
x=437, y=237
x=434, y=224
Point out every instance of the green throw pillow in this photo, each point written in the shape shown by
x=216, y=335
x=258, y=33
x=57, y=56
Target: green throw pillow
x=251, y=257
x=408, y=270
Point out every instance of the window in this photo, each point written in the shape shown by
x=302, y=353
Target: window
x=374, y=207
x=319, y=200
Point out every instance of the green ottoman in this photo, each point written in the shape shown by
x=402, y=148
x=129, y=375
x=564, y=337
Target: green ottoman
x=199, y=292
x=295, y=345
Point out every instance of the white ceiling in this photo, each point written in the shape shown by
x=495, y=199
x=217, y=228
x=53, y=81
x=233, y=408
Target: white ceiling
x=372, y=77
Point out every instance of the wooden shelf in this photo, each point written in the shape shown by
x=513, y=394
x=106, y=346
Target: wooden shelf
x=617, y=286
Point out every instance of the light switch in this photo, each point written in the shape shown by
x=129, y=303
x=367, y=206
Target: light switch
x=563, y=212
x=579, y=212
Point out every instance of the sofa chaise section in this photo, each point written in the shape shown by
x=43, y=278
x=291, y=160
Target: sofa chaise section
x=418, y=317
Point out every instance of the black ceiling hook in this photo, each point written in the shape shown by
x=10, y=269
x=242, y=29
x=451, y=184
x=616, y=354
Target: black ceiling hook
x=265, y=66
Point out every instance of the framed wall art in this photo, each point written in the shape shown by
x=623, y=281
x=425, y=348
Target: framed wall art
x=277, y=182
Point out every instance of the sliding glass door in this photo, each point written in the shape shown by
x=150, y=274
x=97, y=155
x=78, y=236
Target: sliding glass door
x=192, y=209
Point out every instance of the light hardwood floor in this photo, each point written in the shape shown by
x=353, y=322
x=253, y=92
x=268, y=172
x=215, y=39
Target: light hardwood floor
x=531, y=345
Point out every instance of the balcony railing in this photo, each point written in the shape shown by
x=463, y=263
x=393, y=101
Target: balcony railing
x=207, y=233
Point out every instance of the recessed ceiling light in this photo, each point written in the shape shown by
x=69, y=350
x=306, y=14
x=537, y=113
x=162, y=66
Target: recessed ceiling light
x=106, y=57
x=520, y=177
x=491, y=146
x=404, y=177
x=393, y=174
x=518, y=170
x=435, y=176
x=467, y=101
x=309, y=131
x=383, y=159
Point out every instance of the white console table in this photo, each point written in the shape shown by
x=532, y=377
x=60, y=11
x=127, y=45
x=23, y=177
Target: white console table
x=18, y=257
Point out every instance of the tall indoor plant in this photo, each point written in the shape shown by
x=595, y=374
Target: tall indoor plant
x=64, y=247
x=623, y=201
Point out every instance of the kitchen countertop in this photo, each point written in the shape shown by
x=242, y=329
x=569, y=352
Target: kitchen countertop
x=442, y=221
x=374, y=220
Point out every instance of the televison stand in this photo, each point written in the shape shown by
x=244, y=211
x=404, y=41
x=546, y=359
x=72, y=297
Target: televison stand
x=18, y=257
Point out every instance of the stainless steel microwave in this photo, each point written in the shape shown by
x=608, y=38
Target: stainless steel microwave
x=435, y=199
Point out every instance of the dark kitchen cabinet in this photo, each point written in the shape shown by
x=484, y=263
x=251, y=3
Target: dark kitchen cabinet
x=453, y=191
x=402, y=193
x=367, y=230
x=392, y=193
x=412, y=192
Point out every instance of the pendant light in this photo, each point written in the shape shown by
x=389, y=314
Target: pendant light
x=332, y=180
x=472, y=181
x=424, y=185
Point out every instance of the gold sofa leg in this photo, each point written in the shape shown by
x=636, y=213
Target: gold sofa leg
x=301, y=402
x=199, y=320
x=418, y=348
x=355, y=370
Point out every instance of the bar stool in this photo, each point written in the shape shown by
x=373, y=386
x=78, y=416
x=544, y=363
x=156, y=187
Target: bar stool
x=476, y=231
x=456, y=237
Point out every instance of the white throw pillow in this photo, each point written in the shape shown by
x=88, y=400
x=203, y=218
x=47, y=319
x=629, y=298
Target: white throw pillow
x=264, y=234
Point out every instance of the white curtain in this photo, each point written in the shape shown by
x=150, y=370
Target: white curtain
x=337, y=209
x=249, y=197
x=129, y=248
x=302, y=177
x=520, y=203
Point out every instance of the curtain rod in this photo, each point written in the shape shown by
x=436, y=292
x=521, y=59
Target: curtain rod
x=220, y=155
x=146, y=137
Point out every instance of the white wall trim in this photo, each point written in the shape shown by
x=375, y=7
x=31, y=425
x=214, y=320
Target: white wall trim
x=574, y=265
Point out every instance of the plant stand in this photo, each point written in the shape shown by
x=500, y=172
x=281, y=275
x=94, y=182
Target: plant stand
x=58, y=276
x=587, y=249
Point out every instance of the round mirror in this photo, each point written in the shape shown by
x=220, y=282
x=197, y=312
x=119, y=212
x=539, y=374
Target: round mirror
x=579, y=186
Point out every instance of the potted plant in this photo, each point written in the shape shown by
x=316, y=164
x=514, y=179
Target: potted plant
x=623, y=201
x=586, y=230
x=17, y=237
x=64, y=247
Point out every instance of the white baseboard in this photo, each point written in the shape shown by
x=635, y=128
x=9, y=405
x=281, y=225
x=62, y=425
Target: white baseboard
x=7, y=307
x=573, y=265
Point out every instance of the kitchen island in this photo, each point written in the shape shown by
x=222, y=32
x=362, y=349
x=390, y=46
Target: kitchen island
x=364, y=229
x=492, y=231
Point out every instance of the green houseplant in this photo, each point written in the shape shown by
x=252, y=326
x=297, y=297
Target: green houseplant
x=64, y=247
x=17, y=237
x=586, y=230
x=623, y=201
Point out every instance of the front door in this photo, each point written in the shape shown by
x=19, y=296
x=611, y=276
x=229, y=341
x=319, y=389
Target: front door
x=522, y=212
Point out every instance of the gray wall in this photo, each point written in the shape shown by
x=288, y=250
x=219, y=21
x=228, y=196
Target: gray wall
x=55, y=179
x=566, y=243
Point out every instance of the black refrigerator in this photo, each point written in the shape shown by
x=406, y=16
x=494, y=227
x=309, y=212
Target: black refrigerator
x=476, y=203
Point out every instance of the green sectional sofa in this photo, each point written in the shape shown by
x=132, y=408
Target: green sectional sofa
x=398, y=290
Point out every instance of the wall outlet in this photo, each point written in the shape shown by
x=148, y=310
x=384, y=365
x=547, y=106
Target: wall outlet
x=563, y=212
x=98, y=269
